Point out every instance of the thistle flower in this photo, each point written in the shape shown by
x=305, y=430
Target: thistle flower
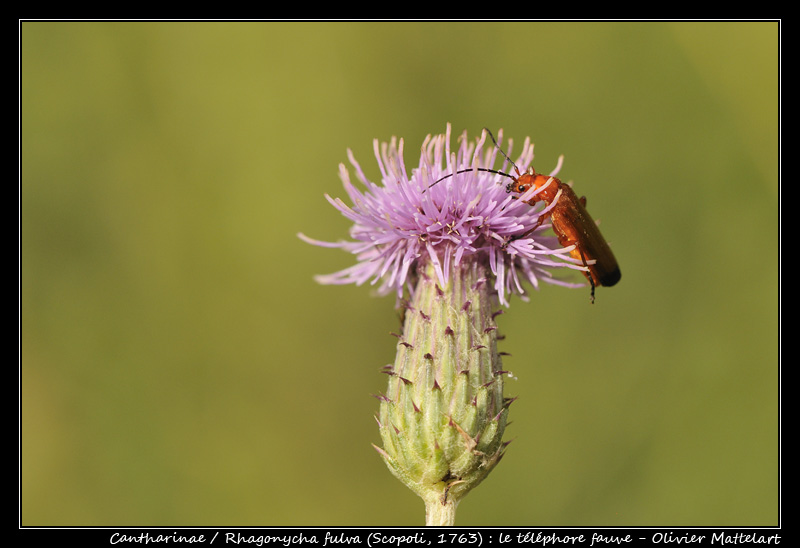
x=451, y=238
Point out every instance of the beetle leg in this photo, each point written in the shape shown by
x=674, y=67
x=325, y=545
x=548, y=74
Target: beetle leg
x=587, y=273
x=539, y=222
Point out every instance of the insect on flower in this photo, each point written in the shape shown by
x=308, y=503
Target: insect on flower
x=571, y=221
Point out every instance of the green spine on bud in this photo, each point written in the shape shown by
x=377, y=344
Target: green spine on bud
x=443, y=416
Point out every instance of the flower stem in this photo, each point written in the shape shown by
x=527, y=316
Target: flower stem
x=440, y=514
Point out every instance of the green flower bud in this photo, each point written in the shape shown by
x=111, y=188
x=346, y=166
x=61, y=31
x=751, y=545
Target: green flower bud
x=443, y=415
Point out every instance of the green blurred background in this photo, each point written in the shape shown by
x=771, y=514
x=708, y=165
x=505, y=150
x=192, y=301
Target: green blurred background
x=179, y=365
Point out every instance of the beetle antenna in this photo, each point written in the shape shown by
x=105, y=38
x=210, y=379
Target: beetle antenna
x=482, y=168
x=442, y=178
x=486, y=129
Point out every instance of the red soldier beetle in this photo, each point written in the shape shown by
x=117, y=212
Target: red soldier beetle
x=571, y=221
